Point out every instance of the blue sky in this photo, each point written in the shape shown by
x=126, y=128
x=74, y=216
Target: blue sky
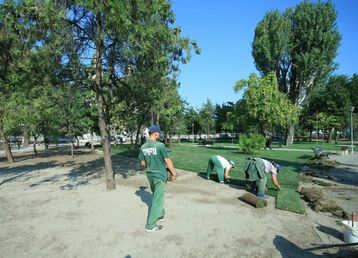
x=225, y=30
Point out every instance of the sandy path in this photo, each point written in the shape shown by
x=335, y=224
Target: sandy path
x=59, y=208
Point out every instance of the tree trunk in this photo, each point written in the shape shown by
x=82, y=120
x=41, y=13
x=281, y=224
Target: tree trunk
x=132, y=138
x=46, y=143
x=92, y=143
x=26, y=138
x=310, y=135
x=72, y=148
x=7, y=147
x=335, y=136
x=152, y=117
x=137, y=135
x=77, y=141
x=102, y=122
x=330, y=136
x=34, y=145
x=165, y=137
x=290, y=134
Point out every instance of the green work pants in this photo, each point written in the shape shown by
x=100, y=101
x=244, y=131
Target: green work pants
x=215, y=163
x=261, y=185
x=156, y=209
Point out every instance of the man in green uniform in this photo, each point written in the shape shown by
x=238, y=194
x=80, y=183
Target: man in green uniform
x=256, y=170
x=222, y=167
x=154, y=157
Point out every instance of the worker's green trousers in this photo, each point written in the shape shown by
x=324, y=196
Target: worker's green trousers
x=156, y=209
x=215, y=163
x=261, y=185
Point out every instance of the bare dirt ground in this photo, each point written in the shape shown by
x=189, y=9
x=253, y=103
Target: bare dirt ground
x=54, y=206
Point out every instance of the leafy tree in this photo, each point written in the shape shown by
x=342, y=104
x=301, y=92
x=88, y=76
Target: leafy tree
x=299, y=45
x=207, y=117
x=265, y=103
x=329, y=106
x=74, y=112
x=221, y=112
x=352, y=88
x=191, y=118
x=134, y=46
x=170, y=108
x=37, y=111
x=28, y=49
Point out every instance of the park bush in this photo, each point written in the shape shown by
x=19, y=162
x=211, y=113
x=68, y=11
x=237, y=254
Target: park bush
x=251, y=143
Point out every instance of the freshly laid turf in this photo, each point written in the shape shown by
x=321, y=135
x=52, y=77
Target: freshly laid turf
x=289, y=199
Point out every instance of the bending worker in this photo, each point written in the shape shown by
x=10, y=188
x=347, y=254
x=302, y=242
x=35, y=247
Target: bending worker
x=257, y=170
x=154, y=156
x=222, y=167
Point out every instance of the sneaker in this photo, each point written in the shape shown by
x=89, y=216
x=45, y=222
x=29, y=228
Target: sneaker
x=161, y=219
x=156, y=228
x=227, y=181
x=221, y=182
x=208, y=177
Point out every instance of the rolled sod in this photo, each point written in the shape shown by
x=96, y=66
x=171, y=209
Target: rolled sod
x=289, y=199
x=253, y=200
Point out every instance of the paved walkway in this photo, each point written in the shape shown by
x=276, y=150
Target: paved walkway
x=349, y=160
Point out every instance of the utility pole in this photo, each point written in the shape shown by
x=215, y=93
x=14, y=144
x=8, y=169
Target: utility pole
x=352, y=140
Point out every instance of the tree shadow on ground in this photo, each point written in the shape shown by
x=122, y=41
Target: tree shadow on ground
x=91, y=170
x=52, y=152
x=289, y=249
x=144, y=195
x=330, y=231
x=75, y=172
x=79, y=175
x=23, y=171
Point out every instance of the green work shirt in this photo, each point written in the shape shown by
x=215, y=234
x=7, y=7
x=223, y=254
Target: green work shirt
x=154, y=153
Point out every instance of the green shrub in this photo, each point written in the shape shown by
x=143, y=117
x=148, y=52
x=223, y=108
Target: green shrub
x=251, y=143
